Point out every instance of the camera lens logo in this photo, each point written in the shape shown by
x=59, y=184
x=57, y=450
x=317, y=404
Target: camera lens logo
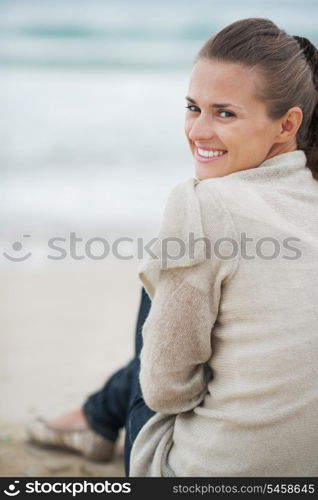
x=12, y=490
x=17, y=247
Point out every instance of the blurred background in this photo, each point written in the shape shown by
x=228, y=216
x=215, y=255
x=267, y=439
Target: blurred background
x=91, y=126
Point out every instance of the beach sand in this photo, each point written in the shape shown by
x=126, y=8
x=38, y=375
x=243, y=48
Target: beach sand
x=64, y=330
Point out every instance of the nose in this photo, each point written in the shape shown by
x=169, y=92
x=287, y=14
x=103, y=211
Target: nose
x=202, y=128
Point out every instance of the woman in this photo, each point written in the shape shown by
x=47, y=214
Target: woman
x=229, y=360
x=228, y=374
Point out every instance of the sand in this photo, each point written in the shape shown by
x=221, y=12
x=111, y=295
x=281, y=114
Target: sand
x=18, y=458
x=64, y=330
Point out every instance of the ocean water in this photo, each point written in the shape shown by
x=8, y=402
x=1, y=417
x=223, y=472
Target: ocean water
x=92, y=105
x=130, y=34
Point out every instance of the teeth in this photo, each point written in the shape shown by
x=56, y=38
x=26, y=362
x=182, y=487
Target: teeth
x=209, y=154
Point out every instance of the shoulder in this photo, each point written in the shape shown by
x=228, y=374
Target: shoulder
x=193, y=195
x=212, y=191
x=193, y=219
x=201, y=206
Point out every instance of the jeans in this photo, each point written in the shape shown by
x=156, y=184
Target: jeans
x=120, y=403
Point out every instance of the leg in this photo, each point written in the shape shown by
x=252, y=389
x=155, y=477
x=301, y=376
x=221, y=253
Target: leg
x=106, y=411
x=101, y=417
x=138, y=412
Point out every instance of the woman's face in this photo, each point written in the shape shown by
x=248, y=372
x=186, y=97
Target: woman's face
x=226, y=125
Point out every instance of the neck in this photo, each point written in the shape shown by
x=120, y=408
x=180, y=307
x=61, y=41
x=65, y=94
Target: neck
x=278, y=149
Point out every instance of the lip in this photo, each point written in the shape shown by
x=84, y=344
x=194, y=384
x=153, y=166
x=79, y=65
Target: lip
x=208, y=160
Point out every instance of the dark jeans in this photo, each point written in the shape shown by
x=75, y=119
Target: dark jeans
x=120, y=403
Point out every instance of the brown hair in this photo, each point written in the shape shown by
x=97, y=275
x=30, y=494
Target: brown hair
x=290, y=68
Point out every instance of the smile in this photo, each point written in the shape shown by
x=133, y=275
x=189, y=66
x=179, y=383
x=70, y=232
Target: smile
x=208, y=155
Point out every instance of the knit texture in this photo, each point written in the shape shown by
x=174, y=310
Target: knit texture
x=229, y=361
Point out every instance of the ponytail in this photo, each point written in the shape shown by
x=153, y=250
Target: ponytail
x=312, y=155
x=311, y=148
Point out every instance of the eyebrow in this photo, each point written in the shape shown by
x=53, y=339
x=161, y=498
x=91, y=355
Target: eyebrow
x=216, y=105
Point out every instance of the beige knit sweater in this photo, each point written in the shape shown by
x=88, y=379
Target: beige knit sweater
x=230, y=356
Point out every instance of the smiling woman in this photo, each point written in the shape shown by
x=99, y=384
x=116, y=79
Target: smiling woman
x=227, y=114
x=225, y=377
x=229, y=365
x=239, y=96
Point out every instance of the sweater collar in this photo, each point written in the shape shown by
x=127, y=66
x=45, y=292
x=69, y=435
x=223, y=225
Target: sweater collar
x=278, y=166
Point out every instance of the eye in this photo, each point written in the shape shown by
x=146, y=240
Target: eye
x=193, y=108
x=226, y=114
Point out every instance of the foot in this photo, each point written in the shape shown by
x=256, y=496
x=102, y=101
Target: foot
x=72, y=421
x=71, y=432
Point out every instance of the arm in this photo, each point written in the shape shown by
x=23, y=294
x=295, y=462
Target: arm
x=185, y=297
x=177, y=339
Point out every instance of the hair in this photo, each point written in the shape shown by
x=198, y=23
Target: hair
x=289, y=66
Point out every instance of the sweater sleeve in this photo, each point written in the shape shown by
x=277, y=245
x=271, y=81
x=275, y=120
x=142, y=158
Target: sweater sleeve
x=177, y=340
x=185, y=299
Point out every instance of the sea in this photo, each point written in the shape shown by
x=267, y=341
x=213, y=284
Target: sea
x=92, y=106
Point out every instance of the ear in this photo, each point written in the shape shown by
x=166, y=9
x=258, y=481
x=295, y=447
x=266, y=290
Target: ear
x=289, y=124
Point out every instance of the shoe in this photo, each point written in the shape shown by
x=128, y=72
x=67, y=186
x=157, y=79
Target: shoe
x=85, y=441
